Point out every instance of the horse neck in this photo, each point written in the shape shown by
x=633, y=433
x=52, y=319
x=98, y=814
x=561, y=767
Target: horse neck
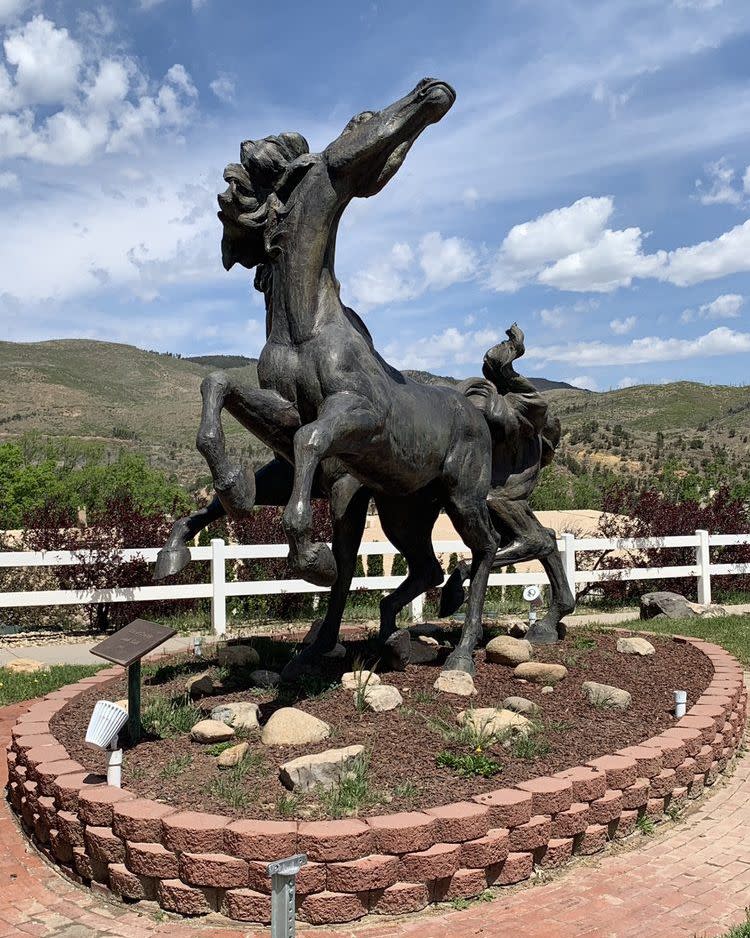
x=304, y=290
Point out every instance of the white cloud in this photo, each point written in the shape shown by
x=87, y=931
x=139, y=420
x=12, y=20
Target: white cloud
x=585, y=382
x=727, y=254
x=46, y=60
x=614, y=100
x=556, y=317
x=470, y=197
x=746, y=181
x=223, y=87
x=623, y=326
x=8, y=181
x=720, y=341
x=626, y=383
x=88, y=102
x=406, y=273
x=721, y=188
x=726, y=306
x=447, y=349
x=697, y=4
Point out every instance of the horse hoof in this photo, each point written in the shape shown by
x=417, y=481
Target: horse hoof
x=460, y=661
x=452, y=595
x=170, y=561
x=541, y=634
x=317, y=565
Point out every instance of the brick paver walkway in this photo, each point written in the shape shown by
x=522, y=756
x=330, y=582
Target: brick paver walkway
x=690, y=881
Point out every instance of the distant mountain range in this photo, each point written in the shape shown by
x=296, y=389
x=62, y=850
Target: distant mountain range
x=120, y=395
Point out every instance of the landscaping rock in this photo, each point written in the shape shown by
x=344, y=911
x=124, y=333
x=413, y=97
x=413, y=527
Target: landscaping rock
x=521, y=705
x=263, y=678
x=122, y=703
x=324, y=769
x=211, y=731
x=604, y=695
x=541, y=673
x=548, y=690
x=232, y=756
x=291, y=727
x=671, y=605
x=200, y=685
x=25, y=666
x=633, y=645
x=518, y=628
x=352, y=680
x=382, y=697
x=240, y=715
x=238, y=656
x=338, y=651
x=507, y=650
x=708, y=612
x=494, y=721
x=455, y=682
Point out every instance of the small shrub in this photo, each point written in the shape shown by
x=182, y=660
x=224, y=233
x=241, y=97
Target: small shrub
x=474, y=763
x=167, y=718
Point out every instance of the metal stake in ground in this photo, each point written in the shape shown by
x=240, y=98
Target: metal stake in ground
x=283, y=875
x=126, y=647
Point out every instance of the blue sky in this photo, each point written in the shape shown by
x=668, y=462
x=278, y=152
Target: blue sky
x=592, y=180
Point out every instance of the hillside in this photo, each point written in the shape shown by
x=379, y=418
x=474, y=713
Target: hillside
x=120, y=395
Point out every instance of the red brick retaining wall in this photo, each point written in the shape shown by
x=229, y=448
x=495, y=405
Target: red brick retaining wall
x=194, y=863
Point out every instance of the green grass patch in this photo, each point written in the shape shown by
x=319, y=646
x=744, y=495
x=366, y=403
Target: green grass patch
x=230, y=785
x=16, y=687
x=167, y=718
x=175, y=767
x=474, y=763
x=731, y=632
x=352, y=793
x=218, y=748
x=740, y=931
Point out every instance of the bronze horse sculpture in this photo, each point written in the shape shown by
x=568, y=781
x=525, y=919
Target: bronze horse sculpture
x=342, y=422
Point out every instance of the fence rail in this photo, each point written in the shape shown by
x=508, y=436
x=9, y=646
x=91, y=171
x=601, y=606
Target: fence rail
x=219, y=589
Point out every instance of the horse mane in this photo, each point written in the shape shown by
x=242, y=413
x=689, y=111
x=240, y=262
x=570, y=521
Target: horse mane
x=259, y=185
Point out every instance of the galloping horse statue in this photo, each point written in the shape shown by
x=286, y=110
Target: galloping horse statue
x=343, y=423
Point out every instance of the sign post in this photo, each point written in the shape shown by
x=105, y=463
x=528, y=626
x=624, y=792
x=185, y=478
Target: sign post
x=126, y=647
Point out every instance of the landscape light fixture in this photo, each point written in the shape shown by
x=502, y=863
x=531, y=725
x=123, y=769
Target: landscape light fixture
x=103, y=732
x=532, y=595
x=680, y=703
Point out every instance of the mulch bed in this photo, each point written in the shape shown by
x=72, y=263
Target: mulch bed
x=403, y=774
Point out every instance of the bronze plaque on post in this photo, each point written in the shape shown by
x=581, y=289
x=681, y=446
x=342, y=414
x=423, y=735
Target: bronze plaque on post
x=132, y=642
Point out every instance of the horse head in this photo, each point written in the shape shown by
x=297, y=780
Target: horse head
x=374, y=144
x=366, y=155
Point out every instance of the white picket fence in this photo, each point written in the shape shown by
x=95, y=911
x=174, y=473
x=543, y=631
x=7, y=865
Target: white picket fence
x=219, y=589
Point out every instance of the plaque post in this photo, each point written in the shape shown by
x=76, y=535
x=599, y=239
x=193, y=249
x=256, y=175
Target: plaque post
x=134, y=701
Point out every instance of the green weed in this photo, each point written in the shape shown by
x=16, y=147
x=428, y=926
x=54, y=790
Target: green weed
x=175, y=767
x=468, y=764
x=168, y=718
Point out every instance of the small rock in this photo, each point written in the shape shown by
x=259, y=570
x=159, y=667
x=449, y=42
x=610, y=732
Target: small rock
x=382, y=697
x=520, y=705
x=455, y=682
x=238, y=656
x=507, y=650
x=324, y=769
x=240, y=715
x=352, y=680
x=200, y=685
x=428, y=640
x=292, y=727
x=494, y=721
x=708, y=612
x=211, y=731
x=548, y=690
x=518, y=629
x=634, y=645
x=671, y=605
x=541, y=673
x=263, y=678
x=232, y=756
x=25, y=666
x=122, y=703
x=604, y=695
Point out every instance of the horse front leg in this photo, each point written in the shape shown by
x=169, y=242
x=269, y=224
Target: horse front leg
x=344, y=421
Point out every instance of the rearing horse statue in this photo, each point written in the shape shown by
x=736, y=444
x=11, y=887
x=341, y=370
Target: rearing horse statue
x=416, y=448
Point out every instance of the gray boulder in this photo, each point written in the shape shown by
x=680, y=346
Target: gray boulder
x=605, y=695
x=322, y=769
x=240, y=715
x=521, y=705
x=200, y=685
x=670, y=605
x=264, y=678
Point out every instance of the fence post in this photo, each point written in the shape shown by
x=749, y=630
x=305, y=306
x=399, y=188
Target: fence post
x=703, y=559
x=417, y=608
x=569, y=560
x=218, y=587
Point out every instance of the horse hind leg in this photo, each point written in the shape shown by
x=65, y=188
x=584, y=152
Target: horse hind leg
x=547, y=630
